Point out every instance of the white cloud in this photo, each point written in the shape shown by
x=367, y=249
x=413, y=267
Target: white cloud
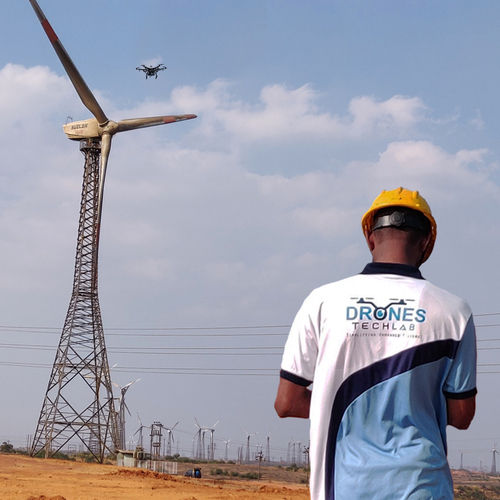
x=31, y=93
x=286, y=115
x=398, y=113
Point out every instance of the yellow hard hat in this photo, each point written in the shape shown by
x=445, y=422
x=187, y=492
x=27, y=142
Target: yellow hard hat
x=401, y=197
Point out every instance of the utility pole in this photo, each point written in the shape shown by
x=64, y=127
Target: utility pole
x=259, y=457
x=306, y=455
x=247, y=456
x=156, y=435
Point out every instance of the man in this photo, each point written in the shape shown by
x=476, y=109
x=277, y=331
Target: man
x=393, y=361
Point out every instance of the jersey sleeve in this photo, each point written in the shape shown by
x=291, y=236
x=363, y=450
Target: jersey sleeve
x=461, y=380
x=301, y=348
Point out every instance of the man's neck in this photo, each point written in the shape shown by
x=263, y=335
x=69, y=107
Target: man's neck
x=395, y=258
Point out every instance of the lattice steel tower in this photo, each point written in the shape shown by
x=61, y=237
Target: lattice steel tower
x=79, y=398
x=78, y=403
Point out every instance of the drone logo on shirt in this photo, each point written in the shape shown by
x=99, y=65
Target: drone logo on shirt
x=395, y=310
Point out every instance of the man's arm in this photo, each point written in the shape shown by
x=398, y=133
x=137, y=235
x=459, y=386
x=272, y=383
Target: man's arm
x=461, y=411
x=292, y=400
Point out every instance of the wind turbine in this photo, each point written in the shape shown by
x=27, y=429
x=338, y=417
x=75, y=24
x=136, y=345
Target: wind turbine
x=139, y=431
x=494, y=460
x=212, y=449
x=200, y=434
x=247, y=453
x=170, y=439
x=200, y=443
x=77, y=406
x=226, y=449
x=121, y=411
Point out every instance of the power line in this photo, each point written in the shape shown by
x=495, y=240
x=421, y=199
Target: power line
x=192, y=370
x=165, y=350
x=249, y=372
x=57, y=330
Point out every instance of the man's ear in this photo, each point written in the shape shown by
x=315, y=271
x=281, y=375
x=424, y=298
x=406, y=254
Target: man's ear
x=370, y=241
x=425, y=242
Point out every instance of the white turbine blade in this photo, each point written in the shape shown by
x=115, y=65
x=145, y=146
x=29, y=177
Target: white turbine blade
x=88, y=99
x=126, y=407
x=135, y=123
x=105, y=148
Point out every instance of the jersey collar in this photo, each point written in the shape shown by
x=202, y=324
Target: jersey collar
x=392, y=268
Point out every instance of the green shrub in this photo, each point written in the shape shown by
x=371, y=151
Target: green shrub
x=250, y=475
x=6, y=447
x=470, y=493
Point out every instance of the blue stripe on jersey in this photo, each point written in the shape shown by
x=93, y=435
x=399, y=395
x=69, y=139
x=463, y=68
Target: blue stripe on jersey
x=368, y=377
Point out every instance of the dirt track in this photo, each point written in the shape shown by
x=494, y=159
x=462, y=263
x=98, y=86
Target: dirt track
x=25, y=478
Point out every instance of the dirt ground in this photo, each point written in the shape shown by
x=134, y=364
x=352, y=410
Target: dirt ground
x=25, y=478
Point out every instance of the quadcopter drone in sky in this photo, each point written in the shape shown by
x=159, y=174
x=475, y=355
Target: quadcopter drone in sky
x=151, y=70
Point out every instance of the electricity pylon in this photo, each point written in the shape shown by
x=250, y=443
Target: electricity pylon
x=78, y=403
x=156, y=440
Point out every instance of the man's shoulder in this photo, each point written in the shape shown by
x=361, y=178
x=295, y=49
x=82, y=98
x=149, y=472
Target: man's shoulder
x=445, y=297
x=334, y=287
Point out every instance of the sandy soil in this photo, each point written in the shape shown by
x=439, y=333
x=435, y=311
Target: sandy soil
x=25, y=478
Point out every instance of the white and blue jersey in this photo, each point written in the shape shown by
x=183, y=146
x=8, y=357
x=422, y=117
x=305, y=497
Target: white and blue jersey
x=383, y=350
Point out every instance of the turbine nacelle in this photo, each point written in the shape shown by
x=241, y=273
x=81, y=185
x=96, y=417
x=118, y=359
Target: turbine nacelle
x=82, y=129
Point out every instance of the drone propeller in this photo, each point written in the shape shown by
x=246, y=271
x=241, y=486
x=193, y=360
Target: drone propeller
x=81, y=87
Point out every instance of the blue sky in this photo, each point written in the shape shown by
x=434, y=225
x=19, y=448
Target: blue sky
x=305, y=112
